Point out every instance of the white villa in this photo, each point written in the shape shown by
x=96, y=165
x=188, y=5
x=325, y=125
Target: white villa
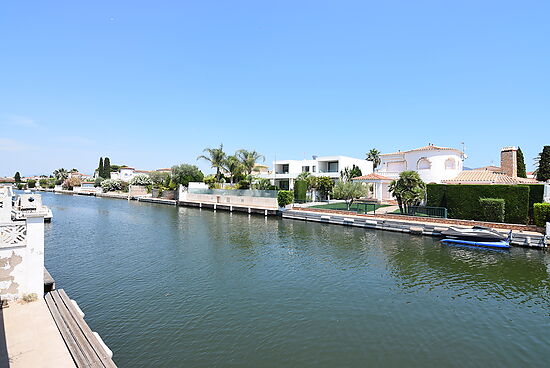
x=285, y=171
x=434, y=165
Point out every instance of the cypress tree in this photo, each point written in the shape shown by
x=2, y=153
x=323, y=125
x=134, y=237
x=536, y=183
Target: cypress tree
x=17, y=177
x=543, y=171
x=522, y=173
x=100, y=168
x=107, y=168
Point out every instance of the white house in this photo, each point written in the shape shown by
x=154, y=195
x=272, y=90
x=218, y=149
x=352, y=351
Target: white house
x=434, y=165
x=285, y=171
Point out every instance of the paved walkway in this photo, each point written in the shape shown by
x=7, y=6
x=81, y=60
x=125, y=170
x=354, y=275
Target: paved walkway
x=384, y=210
x=30, y=338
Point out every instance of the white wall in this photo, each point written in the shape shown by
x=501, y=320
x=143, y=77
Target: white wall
x=22, y=260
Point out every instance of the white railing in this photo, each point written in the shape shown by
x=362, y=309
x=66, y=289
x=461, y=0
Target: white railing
x=13, y=235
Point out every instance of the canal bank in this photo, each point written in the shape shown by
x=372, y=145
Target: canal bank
x=166, y=285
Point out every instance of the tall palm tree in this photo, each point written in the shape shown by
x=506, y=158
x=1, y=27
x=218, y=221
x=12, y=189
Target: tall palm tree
x=249, y=159
x=374, y=156
x=233, y=166
x=216, y=157
x=61, y=174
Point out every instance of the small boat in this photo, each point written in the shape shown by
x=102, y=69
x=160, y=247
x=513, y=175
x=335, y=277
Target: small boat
x=477, y=236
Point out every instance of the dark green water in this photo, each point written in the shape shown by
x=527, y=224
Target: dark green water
x=180, y=287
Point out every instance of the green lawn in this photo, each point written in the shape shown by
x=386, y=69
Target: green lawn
x=343, y=207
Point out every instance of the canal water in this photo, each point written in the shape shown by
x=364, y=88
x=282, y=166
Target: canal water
x=181, y=287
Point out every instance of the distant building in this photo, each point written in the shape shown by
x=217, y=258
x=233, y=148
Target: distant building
x=285, y=172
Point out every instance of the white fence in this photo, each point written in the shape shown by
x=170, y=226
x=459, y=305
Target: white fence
x=13, y=235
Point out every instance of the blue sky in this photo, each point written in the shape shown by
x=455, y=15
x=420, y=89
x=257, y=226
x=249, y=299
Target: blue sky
x=150, y=84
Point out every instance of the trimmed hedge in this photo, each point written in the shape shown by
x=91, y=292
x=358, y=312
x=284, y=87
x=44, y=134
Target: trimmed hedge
x=285, y=197
x=462, y=201
x=536, y=194
x=542, y=213
x=492, y=209
x=300, y=190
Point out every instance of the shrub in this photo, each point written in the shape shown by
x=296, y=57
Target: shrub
x=262, y=184
x=43, y=182
x=71, y=182
x=51, y=183
x=492, y=209
x=325, y=185
x=536, y=194
x=462, y=201
x=300, y=189
x=244, y=184
x=112, y=185
x=98, y=181
x=141, y=179
x=184, y=173
x=31, y=183
x=158, y=177
x=21, y=186
x=285, y=197
x=542, y=213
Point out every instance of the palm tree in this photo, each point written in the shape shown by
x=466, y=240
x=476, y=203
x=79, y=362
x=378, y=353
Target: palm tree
x=61, y=174
x=249, y=159
x=374, y=156
x=408, y=190
x=233, y=166
x=216, y=157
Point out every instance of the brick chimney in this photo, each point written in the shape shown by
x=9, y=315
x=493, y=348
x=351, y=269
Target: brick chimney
x=509, y=161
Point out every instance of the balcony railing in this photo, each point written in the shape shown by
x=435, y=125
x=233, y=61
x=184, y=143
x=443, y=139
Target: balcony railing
x=13, y=235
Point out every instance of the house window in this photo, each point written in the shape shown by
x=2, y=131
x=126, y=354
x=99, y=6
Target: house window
x=450, y=164
x=423, y=164
x=333, y=166
x=314, y=169
x=285, y=169
x=305, y=168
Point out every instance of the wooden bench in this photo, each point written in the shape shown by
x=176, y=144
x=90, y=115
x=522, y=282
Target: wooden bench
x=85, y=348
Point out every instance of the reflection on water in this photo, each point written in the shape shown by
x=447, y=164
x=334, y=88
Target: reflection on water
x=169, y=287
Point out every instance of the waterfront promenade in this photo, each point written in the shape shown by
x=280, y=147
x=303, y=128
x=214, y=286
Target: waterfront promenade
x=30, y=337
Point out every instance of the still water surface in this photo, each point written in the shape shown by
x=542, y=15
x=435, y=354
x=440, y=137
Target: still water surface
x=174, y=287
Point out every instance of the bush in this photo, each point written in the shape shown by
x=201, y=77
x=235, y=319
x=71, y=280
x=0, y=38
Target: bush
x=285, y=197
x=300, y=189
x=462, y=201
x=141, y=179
x=21, y=186
x=184, y=173
x=31, y=183
x=243, y=184
x=98, y=181
x=51, y=183
x=492, y=209
x=536, y=194
x=542, y=213
x=113, y=185
x=43, y=182
x=71, y=182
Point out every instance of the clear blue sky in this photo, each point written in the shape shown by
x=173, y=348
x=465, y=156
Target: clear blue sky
x=151, y=83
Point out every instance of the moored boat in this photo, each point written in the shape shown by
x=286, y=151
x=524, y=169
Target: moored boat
x=477, y=236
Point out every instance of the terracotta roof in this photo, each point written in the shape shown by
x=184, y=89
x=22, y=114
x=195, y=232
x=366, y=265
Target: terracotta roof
x=528, y=181
x=429, y=147
x=490, y=168
x=126, y=167
x=481, y=177
x=372, y=176
x=166, y=169
x=142, y=171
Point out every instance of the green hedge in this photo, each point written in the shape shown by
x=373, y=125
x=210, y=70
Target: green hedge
x=300, y=190
x=542, y=213
x=536, y=194
x=462, y=201
x=285, y=197
x=492, y=209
